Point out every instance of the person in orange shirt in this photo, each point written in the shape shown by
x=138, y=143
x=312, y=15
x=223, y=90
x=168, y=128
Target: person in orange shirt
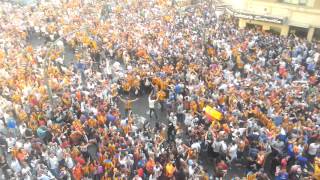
x=161, y=96
x=92, y=123
x=221, y=99
x=150, y=165
x=126, y=87
x=260, y=159
x=78, y=95
x=226, y=128
x=101, y=119
x=86, y=169
x=77, y=172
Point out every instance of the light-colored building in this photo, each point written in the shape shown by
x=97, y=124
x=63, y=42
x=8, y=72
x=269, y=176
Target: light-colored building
x=301, y=17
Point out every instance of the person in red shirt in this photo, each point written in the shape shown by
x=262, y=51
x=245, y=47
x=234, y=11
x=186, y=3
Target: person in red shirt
x=221, y=169
x=140, y=172
x=80, y=160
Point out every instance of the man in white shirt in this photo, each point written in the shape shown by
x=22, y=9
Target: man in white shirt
x=216, y=146
x=313, y=148
x=232, y=152
x=223, y=150
x=11, y=141
x=69, y=161
x=26, y=172
x=137, y=177
x=27, y=146
x=15, y=166
x=152, y=101
x=157, y=170
x=43, y=177
x=54, y=165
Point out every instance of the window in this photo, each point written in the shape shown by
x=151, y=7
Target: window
x=316, y=34
x=296, y=2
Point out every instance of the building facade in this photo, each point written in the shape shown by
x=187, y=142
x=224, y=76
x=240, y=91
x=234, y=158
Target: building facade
x=299, y=17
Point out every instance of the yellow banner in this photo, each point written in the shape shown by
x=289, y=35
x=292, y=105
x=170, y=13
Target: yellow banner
x=212, y=113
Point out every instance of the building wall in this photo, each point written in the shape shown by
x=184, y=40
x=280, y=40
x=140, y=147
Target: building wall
x=283, y=29
x=305, y=16
x=302, y=16
x=317, y=4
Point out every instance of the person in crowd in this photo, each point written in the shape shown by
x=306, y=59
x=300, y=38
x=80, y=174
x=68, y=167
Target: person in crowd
x=241, y=97
x=152, y=101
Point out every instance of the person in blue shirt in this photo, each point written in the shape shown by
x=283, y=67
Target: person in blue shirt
x=283, y=138
x=302, y=161
x=283, y=175
x=290, y=151
x=178, y=89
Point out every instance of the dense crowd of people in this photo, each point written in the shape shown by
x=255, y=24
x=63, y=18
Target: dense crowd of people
x=183, y=59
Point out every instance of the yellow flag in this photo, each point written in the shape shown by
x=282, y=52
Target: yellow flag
x=213, y=114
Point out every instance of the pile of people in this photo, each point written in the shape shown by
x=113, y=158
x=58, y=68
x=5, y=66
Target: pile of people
x=184, y=59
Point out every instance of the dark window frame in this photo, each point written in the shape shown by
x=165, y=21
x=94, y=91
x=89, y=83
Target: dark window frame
x=298, y=4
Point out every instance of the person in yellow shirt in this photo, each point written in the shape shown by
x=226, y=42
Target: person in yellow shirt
x=316, y=173
x=169, y=170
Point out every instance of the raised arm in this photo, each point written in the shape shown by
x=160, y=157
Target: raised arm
x=136, y=99
x=121, y=99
